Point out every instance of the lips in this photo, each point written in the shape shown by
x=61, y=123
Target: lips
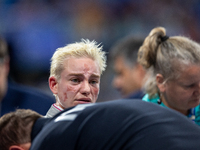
x=84, y=100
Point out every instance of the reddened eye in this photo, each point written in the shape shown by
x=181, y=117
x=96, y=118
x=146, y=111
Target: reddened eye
x=75, y=80
x=94, y=82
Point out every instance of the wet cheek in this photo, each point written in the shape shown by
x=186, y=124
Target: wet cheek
x=69, y=92
x=96, y=91
x=65, y=96
x=71, y=89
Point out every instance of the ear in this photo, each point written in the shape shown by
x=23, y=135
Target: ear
x=160, y=82
x=53, y=84
x=15, y=147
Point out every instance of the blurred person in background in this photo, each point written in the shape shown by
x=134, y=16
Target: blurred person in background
x=173, y=65
x=13, y=95
x=128, y=74
x=75, y=74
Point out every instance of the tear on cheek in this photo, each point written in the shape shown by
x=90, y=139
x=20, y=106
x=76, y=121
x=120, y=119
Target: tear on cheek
x=74, y=90
x=71, y=89
x=65, y=96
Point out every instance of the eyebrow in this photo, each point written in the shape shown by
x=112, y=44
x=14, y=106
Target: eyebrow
x=78, y=74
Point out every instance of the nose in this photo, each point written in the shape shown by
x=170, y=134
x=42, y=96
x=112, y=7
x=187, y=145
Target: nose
x=116, y=83
x=85, y=88
x=197, y=91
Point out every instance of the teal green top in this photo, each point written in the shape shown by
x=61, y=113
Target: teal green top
x=194, y=113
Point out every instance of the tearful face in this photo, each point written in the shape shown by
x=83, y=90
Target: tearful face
x=79, y=82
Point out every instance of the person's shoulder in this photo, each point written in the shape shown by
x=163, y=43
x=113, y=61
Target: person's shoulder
x=154, y=99
x=137, y=95
x=122, y=105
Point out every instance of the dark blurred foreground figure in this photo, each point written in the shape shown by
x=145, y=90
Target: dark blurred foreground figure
x=112, y=125
x=13, y=96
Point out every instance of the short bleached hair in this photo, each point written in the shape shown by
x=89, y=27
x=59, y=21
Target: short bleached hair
x=85, y=48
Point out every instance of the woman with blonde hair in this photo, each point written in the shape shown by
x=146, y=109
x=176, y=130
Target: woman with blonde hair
x=173, y=65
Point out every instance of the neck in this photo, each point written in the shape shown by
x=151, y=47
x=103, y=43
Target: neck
x=184, y=112
x=59, y=105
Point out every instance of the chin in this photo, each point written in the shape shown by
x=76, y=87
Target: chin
x=194, y=103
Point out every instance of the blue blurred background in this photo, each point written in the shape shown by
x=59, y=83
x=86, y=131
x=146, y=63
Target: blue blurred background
x=35, y=28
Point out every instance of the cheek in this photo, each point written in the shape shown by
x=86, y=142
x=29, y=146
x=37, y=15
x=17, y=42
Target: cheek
x=186, y=94
x=96, y=91
x=180, y=94
x=67, y=92
x=72, y=89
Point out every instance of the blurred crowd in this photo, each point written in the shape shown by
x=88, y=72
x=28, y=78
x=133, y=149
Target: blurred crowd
x=35, y=28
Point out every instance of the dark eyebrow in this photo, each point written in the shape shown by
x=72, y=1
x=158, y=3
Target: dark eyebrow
x=93, y=75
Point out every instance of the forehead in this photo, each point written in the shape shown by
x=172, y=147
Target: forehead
x=190, y=73
x=192, y=70
x=121, y=63
x=83, y=64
